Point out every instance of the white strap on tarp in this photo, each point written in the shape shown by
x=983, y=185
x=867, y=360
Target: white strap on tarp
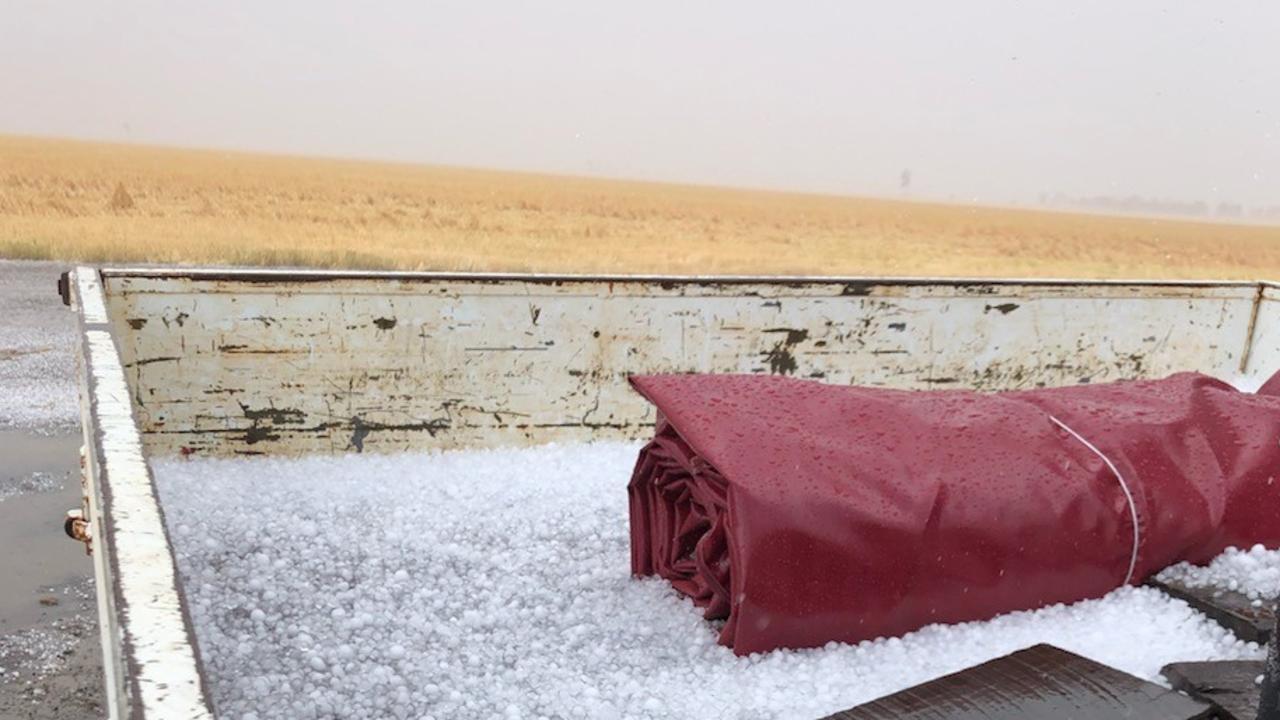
x=1133, y=507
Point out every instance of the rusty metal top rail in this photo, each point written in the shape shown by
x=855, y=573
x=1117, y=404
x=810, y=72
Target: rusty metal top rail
x=310, y=274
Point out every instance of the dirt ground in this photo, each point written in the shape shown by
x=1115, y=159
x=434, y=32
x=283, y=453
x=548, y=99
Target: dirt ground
x=50, y=662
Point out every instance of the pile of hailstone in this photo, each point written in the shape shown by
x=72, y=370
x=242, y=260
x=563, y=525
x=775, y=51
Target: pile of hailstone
x=1254, y=572
x=495, y=584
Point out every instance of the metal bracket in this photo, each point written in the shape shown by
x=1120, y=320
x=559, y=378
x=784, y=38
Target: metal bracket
x=64, y=288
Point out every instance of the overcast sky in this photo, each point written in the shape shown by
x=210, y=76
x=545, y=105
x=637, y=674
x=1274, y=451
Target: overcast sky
x=982, y=100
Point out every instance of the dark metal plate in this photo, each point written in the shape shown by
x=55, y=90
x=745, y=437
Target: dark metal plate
x=1040, y=683
x=1229, y=684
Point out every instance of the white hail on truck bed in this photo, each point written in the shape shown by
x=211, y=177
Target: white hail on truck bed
x=496, y=584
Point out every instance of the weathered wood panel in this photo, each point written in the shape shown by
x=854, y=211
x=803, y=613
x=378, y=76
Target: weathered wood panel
x=281, y=363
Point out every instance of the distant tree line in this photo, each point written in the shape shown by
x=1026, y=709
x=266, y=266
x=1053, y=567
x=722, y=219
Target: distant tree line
x=1138, y=205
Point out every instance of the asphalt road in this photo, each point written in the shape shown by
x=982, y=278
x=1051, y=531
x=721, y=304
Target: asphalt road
x=50, y=664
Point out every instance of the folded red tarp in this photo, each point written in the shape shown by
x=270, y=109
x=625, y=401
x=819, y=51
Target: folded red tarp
x=803, y=513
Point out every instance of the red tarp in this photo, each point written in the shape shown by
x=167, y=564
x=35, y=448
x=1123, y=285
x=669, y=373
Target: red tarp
x=803, y=513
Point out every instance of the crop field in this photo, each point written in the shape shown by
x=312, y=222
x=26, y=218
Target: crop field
x=94, y=202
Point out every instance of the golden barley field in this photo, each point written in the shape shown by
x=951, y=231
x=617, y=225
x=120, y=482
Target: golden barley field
x=98, y=202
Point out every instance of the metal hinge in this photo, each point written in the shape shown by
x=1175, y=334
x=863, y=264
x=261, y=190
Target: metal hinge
x=64, y=288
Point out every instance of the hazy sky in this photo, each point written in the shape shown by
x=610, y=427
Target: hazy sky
x=993, y=101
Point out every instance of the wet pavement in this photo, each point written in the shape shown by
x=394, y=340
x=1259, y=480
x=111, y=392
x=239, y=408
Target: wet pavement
x=50, y=664
x=30, y=522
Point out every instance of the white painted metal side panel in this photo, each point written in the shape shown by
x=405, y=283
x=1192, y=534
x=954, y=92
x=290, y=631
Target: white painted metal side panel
x=221, y=363
x=331, y=363
x=87, y=295
x=1264, y=356
x=149, y=651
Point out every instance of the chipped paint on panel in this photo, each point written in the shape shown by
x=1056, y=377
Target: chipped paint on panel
x=227, y=363
x=847, y=285
x=156, y=635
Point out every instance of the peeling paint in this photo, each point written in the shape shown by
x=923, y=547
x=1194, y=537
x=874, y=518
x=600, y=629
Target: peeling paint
x=278, y=416
x=780, y=358
x=856, y=289
x=359, y=431
x=157, y=637
x=529, y=357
